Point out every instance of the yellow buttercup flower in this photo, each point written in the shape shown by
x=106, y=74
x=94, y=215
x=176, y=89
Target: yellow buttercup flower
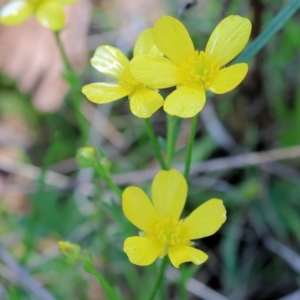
x=190, y=70
x=144, y=100
x=163, y=233
x=49, y=13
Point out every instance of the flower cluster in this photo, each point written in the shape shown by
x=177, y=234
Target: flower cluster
x=165, y=57
x=49, y=13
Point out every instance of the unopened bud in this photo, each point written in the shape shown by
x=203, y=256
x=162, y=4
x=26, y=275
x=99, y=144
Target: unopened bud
x=70, y=251
x=86, y=157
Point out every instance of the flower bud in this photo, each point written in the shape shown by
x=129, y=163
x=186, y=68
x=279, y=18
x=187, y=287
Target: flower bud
x=86, y=157
x=70, y=251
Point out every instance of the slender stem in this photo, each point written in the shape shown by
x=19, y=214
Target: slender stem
x=113, y=186
x=182, y=291
x=75, y=86
x=159, y=278
x=110, y=292
x=170, y=139
x=155, y=144
x=105, y=175
x=63, y=53
x=188, y=157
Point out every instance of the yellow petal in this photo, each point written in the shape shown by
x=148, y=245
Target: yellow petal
x=157, y=72
x=172, y=39
x=142, y=251
x=15, y=12
x=104, y=92
x=181, y=253
x=185, y=102
x=145, y=44
x=229, y=38
x=145, y=102
x=229, y=78
x=110, y=61
x=137, y=208
x=169, y=191
x=206, y=219
x=51, y=15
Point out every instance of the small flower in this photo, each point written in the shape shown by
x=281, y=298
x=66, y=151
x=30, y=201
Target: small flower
x=49, y=13
x=143, y=100
x=163, y=231
x=192, y=71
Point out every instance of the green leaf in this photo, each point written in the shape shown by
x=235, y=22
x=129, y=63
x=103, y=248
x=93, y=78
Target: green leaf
x=274, y=26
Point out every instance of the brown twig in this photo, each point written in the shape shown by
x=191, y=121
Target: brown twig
x=32, y=172
x=220, y=134
x=218, y=164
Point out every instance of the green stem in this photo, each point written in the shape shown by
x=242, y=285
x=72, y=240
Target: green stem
x=171, y=120
x=75, y=86
x=113, y=186
x=105, y=175
x=188, y=157
x=110, y=292
x=159, y=278
x=63, y=53
x=155, y=144
x=182, y=291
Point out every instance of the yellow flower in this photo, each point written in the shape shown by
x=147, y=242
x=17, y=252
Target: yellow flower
x=143, y=100
x=163, y=231
x=192, y=71
x=49, y=13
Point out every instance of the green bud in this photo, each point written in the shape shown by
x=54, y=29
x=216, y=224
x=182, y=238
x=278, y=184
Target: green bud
x=70, y=251
x=86, y=157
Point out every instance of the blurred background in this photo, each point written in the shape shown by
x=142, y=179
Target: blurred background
x=247, y=153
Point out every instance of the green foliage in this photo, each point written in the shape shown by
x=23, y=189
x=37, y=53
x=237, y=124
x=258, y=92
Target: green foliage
x=262, y=203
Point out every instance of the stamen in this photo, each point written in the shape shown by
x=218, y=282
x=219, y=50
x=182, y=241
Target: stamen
x=169, y=232
x=199, y=68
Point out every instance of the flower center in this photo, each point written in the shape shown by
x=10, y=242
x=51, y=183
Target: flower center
x=199, y=68
x=168, y=231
